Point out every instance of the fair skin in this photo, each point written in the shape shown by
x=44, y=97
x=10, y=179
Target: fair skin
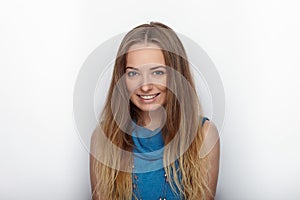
x=209, y=130
x=149, y=81
x=146, y=80
x=212, y=151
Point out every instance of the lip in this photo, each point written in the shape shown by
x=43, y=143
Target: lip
x=150, y=100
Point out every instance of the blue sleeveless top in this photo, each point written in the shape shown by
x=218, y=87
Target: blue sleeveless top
x=148, y=172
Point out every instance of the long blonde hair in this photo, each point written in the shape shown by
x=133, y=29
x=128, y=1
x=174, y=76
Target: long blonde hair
x=182, y=132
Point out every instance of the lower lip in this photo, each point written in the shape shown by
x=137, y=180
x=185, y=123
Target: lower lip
x=148, y=100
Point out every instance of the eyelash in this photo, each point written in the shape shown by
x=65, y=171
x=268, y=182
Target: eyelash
x=130, y=73
x=156, y=73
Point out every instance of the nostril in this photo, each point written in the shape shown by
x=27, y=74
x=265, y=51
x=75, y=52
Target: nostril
x=146, y=87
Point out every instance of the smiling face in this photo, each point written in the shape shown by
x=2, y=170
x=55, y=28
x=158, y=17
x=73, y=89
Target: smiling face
x=146, y=77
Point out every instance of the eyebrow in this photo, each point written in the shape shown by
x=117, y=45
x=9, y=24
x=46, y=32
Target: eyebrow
x=152, y=68
x=160, y=66
x=128, y=67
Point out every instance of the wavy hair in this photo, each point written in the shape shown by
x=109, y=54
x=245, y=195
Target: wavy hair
x=111, y=176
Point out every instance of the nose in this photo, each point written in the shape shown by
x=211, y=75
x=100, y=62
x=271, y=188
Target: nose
x=146, y=84
x=146, y=87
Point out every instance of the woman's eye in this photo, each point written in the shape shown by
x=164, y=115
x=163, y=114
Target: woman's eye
x=158, y=72
x=131, y=73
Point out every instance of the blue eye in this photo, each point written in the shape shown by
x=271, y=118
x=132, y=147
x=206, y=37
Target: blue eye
x=131, y=73
x=158, y=72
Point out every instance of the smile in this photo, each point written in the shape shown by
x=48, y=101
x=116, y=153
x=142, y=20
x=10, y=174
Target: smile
x=148, y=97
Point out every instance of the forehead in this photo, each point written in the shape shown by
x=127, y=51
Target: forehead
x=141, y=54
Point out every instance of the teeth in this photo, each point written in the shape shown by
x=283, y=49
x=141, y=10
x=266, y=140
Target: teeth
x=147, y=96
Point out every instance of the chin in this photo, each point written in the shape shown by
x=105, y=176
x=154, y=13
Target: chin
x=149, y=107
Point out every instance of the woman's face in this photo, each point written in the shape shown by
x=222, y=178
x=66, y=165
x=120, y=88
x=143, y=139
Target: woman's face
x=146, y=76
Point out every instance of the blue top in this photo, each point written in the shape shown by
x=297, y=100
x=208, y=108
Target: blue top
x=148, y=172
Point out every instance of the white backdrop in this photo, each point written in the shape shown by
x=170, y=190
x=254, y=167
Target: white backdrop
x=253, y=43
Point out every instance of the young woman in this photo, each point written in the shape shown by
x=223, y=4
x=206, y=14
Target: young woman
x=149, y=143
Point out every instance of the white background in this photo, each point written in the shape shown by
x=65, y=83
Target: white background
x=253, y=43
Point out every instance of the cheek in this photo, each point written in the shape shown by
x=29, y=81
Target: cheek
x=130, y=86
x=163, y=100
x=162, y=88
x=162, y=81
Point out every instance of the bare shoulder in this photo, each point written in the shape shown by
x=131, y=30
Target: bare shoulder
x=94, y=138
x=209, y=128
x=96, y=141
x=94, y=161
x=211, y=149
x=211, y=139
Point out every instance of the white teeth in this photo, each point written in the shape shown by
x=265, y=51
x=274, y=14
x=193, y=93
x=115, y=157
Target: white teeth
x=147, y=96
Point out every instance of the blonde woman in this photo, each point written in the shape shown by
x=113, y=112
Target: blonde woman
x=149, y=143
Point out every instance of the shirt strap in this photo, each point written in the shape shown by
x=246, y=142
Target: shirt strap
x=203, y=120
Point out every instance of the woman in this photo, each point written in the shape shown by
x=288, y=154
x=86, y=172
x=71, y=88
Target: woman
x=150, y=142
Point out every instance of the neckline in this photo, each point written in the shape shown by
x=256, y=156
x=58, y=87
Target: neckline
x=143, y=132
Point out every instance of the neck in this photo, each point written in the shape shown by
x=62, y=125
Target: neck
x=154, y=119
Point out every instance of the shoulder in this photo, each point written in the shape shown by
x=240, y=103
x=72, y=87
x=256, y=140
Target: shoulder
x=97, y=141
x=209, y=127
x=95, y=135
x=97, y=132
x=210, y=135
x=211, y=149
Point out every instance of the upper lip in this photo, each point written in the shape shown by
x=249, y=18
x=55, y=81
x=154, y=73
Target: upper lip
x=147, y=94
